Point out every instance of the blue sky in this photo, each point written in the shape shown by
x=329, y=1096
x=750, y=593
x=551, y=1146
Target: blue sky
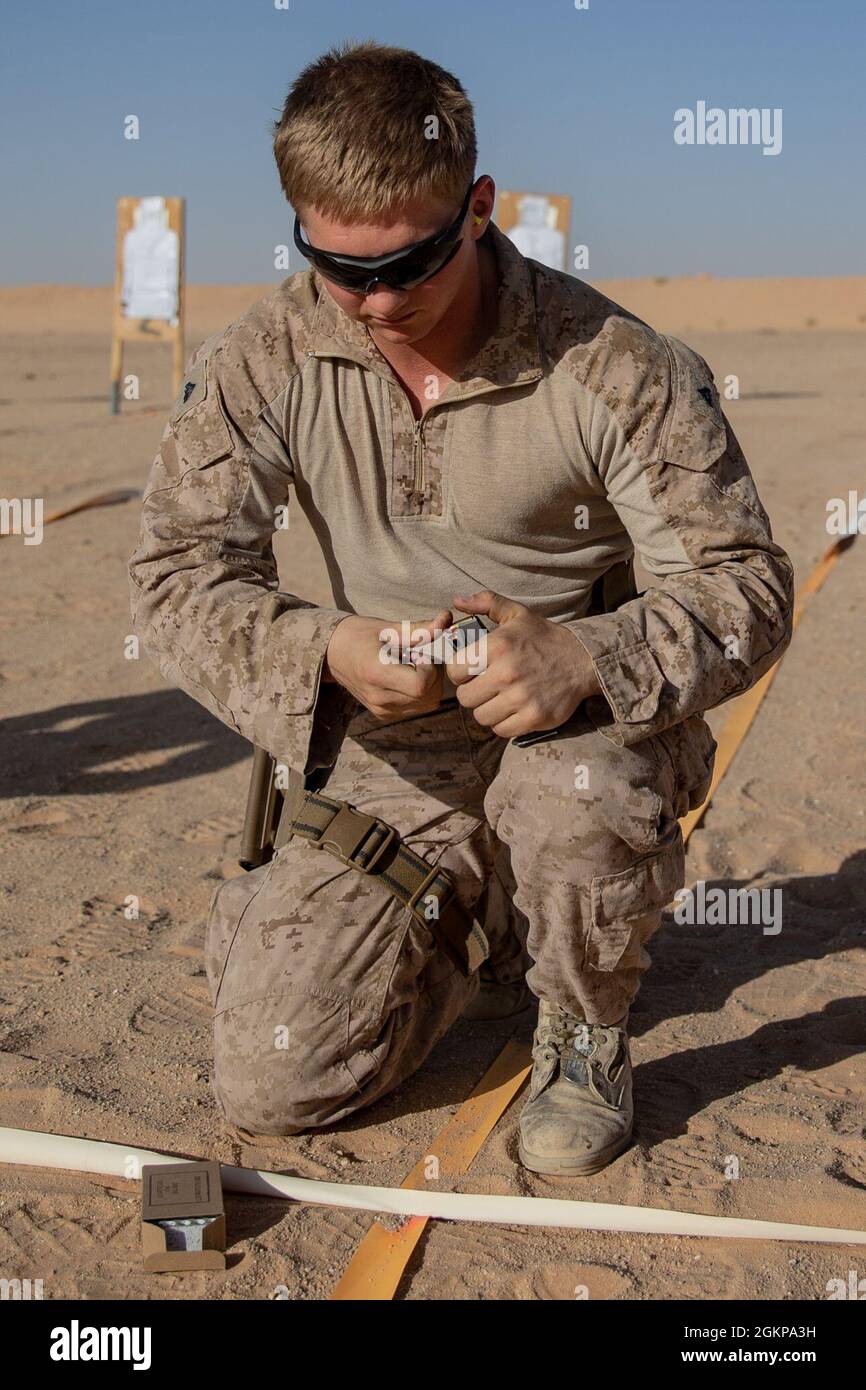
x=567, y=101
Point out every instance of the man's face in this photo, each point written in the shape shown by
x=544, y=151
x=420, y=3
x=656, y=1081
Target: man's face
x=399, y=316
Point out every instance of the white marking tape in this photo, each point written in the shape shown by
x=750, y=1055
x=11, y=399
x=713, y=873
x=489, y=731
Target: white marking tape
x=27, y=1146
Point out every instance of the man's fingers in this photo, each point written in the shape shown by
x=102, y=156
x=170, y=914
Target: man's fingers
x=459, y=671
x=442, y=620
x=512, y=727
x=422, y=634
x=420, y=693
x=472, y=693
x=468, y=663
x=491, y=714
x=495, y=606
x=386, y=704
x=406, y=680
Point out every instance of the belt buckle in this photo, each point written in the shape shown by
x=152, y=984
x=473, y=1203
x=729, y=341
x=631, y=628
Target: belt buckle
x=422, y=889
x=390, y=837
x=344, y=837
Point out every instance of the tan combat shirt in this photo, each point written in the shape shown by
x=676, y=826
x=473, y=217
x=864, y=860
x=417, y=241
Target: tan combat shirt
x=576, y=436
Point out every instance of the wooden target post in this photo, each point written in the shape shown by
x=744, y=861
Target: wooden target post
x=149, y=282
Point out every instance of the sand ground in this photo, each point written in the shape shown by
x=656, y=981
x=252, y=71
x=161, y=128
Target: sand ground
x=746, y=1045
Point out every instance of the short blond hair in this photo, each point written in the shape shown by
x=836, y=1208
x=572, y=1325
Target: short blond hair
x=356, y=137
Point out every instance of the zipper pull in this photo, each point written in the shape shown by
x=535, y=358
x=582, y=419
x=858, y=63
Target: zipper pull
x=418, y=459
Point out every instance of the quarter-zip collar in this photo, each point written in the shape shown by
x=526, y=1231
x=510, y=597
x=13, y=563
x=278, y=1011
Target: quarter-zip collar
x=509, y=357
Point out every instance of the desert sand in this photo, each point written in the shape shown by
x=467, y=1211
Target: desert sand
x=746, y=1045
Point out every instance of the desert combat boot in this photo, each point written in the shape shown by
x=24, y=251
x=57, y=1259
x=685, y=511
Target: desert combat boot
x=579, y=1114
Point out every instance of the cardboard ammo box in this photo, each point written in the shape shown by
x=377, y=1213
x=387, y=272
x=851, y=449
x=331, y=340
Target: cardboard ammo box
x=183, y=1224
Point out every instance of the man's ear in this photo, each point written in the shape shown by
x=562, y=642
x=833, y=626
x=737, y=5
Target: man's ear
x=485, y=193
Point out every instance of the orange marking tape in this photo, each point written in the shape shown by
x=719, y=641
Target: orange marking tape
x=747, y=706
x=379, y=1262
x=102, y=499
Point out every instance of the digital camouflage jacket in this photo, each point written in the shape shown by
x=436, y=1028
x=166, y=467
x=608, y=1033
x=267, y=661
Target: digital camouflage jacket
x=575, y=437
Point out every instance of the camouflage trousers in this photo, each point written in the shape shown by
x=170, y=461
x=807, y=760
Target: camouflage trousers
x=328, y=992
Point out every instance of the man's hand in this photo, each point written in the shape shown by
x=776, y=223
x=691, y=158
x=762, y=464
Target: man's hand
x=537, y=672
x=364, y=657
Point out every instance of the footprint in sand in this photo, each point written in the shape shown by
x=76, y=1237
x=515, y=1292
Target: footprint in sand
x=212, y=830
x=104, y=929
x=67, y=818
x=174, y=1011
x=30, y=971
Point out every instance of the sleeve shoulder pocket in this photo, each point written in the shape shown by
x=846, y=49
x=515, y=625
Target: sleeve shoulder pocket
x=197, y=420
x=695, y=433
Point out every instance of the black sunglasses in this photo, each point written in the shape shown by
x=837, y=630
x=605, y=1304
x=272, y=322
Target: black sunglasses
x=400, y=270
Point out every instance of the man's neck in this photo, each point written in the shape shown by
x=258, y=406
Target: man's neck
x=460, y=333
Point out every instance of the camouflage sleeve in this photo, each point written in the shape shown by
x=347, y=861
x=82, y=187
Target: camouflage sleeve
x=205, y=594
x=677, y=478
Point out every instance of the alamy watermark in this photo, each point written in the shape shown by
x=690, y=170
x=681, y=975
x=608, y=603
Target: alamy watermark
x=854, y=1288
x=77, y=1343
x=20, y=1289
x=729, y=907
x=846, y=516
x=22, y=516
x=410, y=645
x=739, y=125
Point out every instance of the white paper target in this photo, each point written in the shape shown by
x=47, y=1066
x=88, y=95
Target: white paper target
x=150, y=264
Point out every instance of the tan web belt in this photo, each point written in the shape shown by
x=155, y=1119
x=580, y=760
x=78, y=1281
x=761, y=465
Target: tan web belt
x=373, y=847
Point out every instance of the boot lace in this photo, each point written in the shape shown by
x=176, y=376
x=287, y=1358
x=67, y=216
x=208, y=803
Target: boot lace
x=563, y=1030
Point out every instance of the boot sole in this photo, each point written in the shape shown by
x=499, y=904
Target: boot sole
x=573, y=1167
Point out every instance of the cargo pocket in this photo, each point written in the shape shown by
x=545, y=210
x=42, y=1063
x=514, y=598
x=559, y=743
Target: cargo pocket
x=228, y=906
x=691, y=749
x=620, y=903
x=283, y=1063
